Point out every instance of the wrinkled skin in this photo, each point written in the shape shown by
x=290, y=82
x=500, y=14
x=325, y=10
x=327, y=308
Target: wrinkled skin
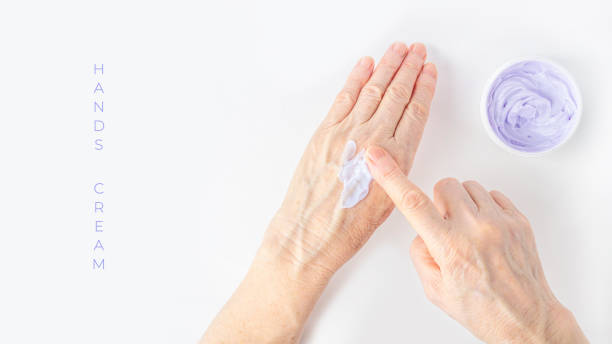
x=390, y=110
x=311, y=236
x=477, y=259
x=475, y=252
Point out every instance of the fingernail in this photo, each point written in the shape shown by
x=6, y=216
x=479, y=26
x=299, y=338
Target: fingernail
x=380, y=161
x=375, y=154
x=430, y=69
x=419, y=49
x=399, y=48
x=364, y=61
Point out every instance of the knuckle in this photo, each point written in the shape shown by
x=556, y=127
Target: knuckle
x=517, y=233
x=394, y=173
x=346, y=97
x=399, y=92
x=427, y=84
x=418, y=110
x=412, y=199
x=523, y=218
x=412, y=65
x=489, y=237
x=514, y=213
x=428, y=87
x=372, y=92
x=444, y=183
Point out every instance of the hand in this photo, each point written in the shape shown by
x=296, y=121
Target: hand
x=476, y=256
x=311, y=236
x=387, y=107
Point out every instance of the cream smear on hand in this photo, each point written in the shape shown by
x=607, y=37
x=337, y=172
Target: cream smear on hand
x=355, y=176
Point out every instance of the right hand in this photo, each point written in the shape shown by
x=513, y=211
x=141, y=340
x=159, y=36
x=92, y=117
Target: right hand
x=476, y=256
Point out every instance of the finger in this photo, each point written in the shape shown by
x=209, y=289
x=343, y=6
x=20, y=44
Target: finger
x=408, y=198
x=373, y=91
x=503, y=201
x=479, y=195
x=452, y=199
x=400, y=89
x=426, y=267
x=410, y=127
x=345, y=100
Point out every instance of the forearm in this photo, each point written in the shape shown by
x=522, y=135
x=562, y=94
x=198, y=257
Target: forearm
x=272, y=303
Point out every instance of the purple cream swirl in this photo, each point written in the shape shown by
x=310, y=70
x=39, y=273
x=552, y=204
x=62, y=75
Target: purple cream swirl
x=532, y=106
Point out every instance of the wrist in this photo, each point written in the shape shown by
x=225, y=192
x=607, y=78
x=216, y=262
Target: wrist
x=282, y=293
x=272, y=303
x=562, y=327
x=288, y=259
x=290, y=246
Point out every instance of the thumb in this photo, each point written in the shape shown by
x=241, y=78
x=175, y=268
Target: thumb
x=408, y=198
x=427, y=268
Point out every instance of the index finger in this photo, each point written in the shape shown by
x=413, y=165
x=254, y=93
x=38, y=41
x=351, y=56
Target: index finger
x=414, y=204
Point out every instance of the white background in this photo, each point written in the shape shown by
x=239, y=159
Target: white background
x=208, y=107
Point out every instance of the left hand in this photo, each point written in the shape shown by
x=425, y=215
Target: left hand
x=387, y=107
x=311, y=236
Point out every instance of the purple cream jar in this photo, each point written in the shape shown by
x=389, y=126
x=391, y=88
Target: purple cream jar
x=531, y=106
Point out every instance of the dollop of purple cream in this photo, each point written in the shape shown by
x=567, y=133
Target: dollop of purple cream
x=532, y=106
